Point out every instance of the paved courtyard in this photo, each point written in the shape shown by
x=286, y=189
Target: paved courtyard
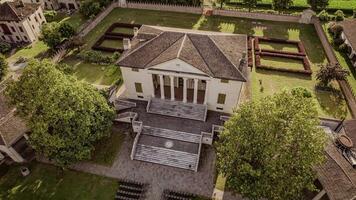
x=159, y=177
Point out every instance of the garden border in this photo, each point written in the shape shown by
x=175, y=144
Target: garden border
x=298, y=44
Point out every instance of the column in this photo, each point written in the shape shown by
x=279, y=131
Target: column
x=161, y=84
x=153, y=87
x=14, y=155
x=172, y=87
x=195, y=99
x=206, y=92
x=185, y=90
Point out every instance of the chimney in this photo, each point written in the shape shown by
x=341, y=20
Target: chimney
x=135, y=29
x=127, y=43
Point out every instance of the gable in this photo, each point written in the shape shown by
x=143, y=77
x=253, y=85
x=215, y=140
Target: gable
x=178, y=65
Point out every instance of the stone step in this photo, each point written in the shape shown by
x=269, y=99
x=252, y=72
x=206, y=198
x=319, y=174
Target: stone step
x=171, y=134
x=167, y=157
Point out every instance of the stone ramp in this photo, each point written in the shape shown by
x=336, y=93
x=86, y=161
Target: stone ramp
x=177, y=109
x=171, y=134
x=167, y=157
x=121, y=104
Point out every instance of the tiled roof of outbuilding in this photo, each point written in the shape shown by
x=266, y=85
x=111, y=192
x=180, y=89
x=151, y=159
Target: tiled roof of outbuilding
x=16, y=10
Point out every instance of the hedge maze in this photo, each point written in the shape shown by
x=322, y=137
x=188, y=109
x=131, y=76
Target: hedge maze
x=116, y=32
x=260, y=53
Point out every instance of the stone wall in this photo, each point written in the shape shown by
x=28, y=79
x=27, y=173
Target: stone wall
x=165, y=7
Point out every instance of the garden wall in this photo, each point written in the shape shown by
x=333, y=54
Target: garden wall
x=165, y=7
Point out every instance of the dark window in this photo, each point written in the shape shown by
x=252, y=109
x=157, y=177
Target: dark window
x=17, y=37
x=39, y=15
x=138, y=87
x=224, y=81
x=5, y=29
x=13, y=29
x=36, y=19
x=29, y=18
x=25, y=38
x=221, y=98
x=3, y=37
x=21, y=29
x=141, y=97
x=33, y=26
x=218, y=108
x=134, y=69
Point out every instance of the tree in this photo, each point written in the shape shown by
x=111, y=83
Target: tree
x=269, y=147
x=66, y=116
x=66, y=30
x=90, y=8
x=330, y=72
x=4, y=47
x=318, y=4
x=77, y=42
x=3, y=67
x=251, y=4
x=281, y=4
x=50, y=15
x=51, y=35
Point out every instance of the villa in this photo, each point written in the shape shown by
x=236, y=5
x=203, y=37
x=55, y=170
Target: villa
x=349, y=35
x=181, y=85
x=20, y=22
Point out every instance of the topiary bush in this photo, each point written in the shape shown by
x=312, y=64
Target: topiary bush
x=4, y=47
x=98, y=57
x=324, y=16
x=343, y=48
x=339, y=15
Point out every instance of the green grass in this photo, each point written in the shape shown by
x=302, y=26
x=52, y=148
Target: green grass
x=284, y=63
x=35, y=50
x=107, y=149
x=278, y=46
x=272, y=81
x=123, y=30
x=75, y=20
x=93, y=73
x=112, y=43
x=337, y=4
x=48, y=182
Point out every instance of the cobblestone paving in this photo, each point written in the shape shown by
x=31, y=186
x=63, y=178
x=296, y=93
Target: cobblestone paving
x=159, y=177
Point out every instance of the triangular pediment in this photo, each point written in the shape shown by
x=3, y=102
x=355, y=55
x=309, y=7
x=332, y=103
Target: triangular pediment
x=177, y=65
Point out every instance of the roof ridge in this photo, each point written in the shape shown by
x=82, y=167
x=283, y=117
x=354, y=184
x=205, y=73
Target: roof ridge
x=181, y=46
x=217, y=46
x=12, y=9
x=202, y=57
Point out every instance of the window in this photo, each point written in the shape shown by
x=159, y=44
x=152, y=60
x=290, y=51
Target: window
x=3, y=37
x=33, y=26
x=13, y=29
x=21, y=29
x=134, y=69
x=138, y=87
x=17, y=37
x=36, y=19
x=221, y=98
x=24, y=37
x=40, y=15
x=224, y=81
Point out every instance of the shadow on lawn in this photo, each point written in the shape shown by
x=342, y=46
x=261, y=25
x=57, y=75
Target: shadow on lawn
x=287, y=74
x=332, y=103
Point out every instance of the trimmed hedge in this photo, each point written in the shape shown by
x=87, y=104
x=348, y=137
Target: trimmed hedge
x=298, y=44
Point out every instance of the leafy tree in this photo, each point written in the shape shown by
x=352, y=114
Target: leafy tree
x=66, y=30
x=51, y=35
x=330, y=72
x=318, y=4
x=3, y=67
x=281, y=4
x=270, y=146
x=90, y=8
x=301, y=91
x=66, y=116
x=339, y=15
x=4, y=47
x=324, y=16
x=77, y=42
x=251, y=3
x=50, y=15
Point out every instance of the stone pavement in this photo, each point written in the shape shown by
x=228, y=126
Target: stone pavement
x=158, y=177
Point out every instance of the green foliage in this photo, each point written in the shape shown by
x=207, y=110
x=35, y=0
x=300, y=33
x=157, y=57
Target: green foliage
x=3, y=67
x=324, y=16
x=339, y=15
x=301, y=91
x=65, y=68
x=343, y=48
x=90, y=8
x=269, y=147
x=66, y=116
x=281, y=4
x=51, y=35
x=66, y=30
x=354, y=13
x=331, y=72
x=4, y=47
x=318, y=4
x=50, y=15
x=251, y=3
x=98, y=57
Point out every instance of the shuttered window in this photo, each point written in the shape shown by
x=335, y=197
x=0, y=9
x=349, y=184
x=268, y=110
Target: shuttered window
x=138, y=87
x=221, y=98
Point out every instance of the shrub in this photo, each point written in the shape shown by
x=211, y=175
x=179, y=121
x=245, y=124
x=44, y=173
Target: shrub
x=338, y=41
x=336, y=30
x=354, y=13
x=3, y=67
x=343, y=48
x=67, y=69
x=324, y=16
x=66, y=30
x=331, y=26
x=302, y=91
x=90, y=8
x=4, y=47
x=339, y=15
x=97, y=57
x=50, y=15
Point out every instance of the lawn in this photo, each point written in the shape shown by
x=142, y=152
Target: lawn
x=284, y=63
x=75, y=20
x=278, y=46
x=337, y=4
x=34, y=50
x=49, y=182
x=123, y=30
x=93, y=73
x=112, y=43
x=107, y=149
x=328, y=104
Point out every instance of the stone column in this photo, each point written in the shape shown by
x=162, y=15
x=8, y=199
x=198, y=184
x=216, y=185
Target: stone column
x=172, y=87
x=185, y=90
x=12, y=153
x=206, y=92
x=153, y=87
x=161, y=84
x=195, y=99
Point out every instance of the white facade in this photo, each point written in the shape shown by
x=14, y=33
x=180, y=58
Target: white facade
x=179, y=74
x=352, y=54
x=27, y=30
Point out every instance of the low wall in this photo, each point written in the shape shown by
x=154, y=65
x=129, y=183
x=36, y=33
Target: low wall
x=165, y=7
x=257, y=16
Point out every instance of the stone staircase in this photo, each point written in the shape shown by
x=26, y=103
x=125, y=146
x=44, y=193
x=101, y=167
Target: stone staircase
x=167, y=157
x=173, y=195
x=171, y=134
x=129, y=190
x=122, y=104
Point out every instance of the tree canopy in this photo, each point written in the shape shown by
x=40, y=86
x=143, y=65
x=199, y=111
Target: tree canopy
x=3, y=67
x=251, y=3
x=318, y=4
x=281, y=4
x=270, y=146
x=65, y=116
x=54, y=33
x=331, y=72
